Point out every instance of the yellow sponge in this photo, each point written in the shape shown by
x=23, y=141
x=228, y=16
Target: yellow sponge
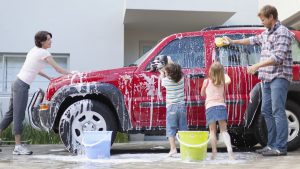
x=220, y=42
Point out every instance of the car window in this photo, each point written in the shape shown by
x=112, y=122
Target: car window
x=143, y=57
x=187, y=51
x=296, y=51
x=238, y=55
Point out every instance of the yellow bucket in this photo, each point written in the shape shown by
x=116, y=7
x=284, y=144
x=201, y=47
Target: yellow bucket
x=193, y=145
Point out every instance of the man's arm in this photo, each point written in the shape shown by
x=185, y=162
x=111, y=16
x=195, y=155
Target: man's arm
x=241, y=41
x=252, y=69
x=245, y=41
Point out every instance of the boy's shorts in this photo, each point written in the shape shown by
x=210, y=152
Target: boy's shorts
x=176, y=119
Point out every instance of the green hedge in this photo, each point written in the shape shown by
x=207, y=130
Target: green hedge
x=32, y=136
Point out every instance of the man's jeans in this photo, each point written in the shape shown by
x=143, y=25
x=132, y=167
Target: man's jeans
x=274, y=95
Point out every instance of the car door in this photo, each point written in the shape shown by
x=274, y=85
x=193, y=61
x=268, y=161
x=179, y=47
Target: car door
x=235, y=59
x=189, y=52
x=149, y=96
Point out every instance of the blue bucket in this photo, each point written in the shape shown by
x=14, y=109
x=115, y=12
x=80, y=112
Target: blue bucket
x=97, y=144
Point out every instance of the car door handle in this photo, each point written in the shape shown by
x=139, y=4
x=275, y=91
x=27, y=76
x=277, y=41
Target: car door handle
x=193, y=76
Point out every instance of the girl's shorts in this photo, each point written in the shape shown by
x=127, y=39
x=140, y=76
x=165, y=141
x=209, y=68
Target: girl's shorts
x=216, y=113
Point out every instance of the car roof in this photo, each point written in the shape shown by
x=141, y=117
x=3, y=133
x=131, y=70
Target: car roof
x=233, y=27
x=236, y=27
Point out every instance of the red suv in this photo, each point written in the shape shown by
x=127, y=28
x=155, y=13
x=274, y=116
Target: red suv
x=131, y=99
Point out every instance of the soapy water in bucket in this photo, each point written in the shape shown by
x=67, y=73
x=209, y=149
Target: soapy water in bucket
x=97, y=144
x=193, y=145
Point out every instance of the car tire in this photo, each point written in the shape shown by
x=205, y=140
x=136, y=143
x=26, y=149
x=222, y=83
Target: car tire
x=241, y=140
x=293, y=116
x=261, y=133
x=85, y=115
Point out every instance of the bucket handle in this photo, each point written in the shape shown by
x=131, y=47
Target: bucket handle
x=91, y=145
x=189, y=145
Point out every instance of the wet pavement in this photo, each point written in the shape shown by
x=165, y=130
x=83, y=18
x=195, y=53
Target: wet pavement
x=140, y=155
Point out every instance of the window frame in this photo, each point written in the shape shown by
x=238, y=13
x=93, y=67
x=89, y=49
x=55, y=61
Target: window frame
x=5, y=89
x=202, y=53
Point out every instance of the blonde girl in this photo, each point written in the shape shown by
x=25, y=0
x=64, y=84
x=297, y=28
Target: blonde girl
x=214, y=89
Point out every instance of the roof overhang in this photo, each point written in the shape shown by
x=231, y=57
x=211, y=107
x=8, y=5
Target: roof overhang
x=173, y=20
x=293, y=21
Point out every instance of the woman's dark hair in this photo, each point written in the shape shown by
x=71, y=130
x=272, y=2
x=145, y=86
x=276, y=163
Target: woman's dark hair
x=174, y=71
x=267, y=11
x=41, y=36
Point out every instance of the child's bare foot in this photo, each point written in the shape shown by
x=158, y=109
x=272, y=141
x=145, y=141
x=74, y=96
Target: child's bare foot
x=172, y=153
x=231, y=156
x=213, y=155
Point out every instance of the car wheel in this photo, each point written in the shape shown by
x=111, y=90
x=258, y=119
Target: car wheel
x=293, y=117
x=261, y=133
x=241, y=140
x=85, y=115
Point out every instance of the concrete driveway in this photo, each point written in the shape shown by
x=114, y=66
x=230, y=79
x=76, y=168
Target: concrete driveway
x=139, y=155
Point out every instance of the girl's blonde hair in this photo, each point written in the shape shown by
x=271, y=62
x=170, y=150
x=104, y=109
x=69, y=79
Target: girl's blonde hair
x=216, y=73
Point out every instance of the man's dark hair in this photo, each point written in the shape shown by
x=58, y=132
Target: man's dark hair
x=174, y=71
x=41, y=36
x=267, y=11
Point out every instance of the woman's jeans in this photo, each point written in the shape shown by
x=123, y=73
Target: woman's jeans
x=274, y=95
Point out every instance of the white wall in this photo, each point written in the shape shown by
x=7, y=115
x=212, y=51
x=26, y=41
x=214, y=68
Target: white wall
x=246, y=10
x=90, y=31
x=132, y=39
x=182, y=5
x=246, y=13
x=288, y=13
x=284, y=8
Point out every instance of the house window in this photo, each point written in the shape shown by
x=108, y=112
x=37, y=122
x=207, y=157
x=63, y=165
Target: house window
x=10, y=65
x=145, y=46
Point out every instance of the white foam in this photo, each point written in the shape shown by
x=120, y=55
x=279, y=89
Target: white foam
x=58, y=150
x=221, y=158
